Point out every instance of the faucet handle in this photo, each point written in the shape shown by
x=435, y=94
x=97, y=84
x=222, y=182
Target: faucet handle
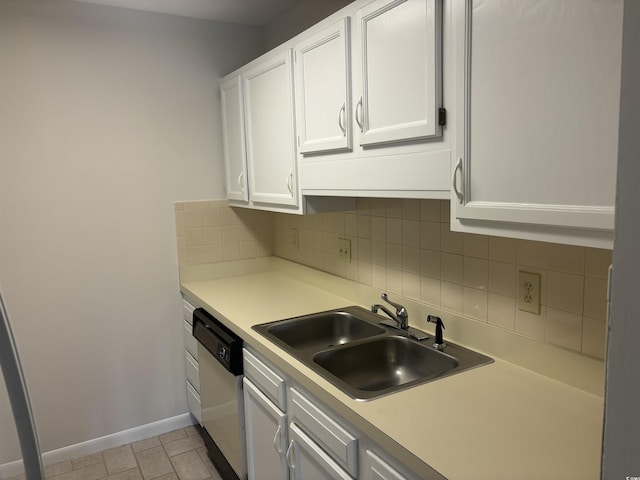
x=400, y=310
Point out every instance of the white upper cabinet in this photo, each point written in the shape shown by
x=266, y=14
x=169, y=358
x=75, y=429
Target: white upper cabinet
x=323, y=90
x=537, y=99
x=397, y=74
x=233, y=139
x=270, y=131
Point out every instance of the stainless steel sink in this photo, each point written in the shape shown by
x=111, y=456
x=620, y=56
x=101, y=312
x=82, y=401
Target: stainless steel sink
x=351, y=349
x=323, y=330
x=385, y=363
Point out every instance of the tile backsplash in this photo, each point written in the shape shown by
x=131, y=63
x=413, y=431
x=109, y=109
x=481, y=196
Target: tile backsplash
x=406, y=247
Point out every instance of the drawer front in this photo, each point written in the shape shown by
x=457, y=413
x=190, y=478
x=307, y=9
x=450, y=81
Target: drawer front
x=187, y=311
x=268, y=381
x=193, y=372
x=193, y=401
x=334, y=439
x=190, y=342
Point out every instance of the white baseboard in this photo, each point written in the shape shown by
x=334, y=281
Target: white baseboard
x=95, y=445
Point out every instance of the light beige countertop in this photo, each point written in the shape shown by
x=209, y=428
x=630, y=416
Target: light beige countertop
x=499, y=421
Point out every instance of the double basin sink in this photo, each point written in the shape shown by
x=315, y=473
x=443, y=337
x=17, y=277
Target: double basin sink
x=364, y=358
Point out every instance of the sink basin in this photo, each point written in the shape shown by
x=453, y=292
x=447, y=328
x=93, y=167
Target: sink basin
x=351, y=349
x=379, y=365
x=322, y=330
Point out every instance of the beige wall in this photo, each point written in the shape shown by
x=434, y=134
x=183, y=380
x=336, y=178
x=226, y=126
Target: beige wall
x=406, y=247
x=107, y=116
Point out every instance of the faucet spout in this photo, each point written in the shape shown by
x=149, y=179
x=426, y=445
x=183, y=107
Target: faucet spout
x=401, y=317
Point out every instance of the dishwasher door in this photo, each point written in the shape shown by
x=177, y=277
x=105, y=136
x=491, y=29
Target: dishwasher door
x=222, y=412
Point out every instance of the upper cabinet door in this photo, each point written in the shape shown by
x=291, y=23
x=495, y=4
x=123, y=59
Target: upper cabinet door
x=270, y=131
x=537, y=95
x=323, y=93
x=233, y=139
x=398, y=71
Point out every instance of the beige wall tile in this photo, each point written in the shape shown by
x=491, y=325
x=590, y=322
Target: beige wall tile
x=533, y=254
x=213, y=254
x=229, y=216
x=364, y=226
x=194, y=237
x=393, y=208
x=248, y=250
x=566, y=258
x=411, y=209
x=230, y=234
x=195, y=255
x=430, y=235
x=445, y=211
x=503, y=249
x=364, y=249
x=378, y=207
x=193, y=219
x=476, y=245
x=565, y=291
x=597, y=262
x=430, y=210
x=231, y=251
x=430, y=291
x=379, y=276
x=564, y=329
x=394, y=280
x=378, y=229
x=594, y=336
x=476, y=273
x=430, y=263
x=178, y=206
x=180, y=223
x=394, y=230
x=474, y=303
x=394, y=256
x=451, y=296
x=411, y=233
x=452, y=268
x=365, y=273
x=411, y=259
x=411, y=285
x=199, y=205
x=503, y=278
x=595, y=297
x=451, y=242
x=379, y=253
x=532, y=325
x=502, y=311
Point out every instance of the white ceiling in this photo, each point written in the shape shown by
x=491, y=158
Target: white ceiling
x=248, y=12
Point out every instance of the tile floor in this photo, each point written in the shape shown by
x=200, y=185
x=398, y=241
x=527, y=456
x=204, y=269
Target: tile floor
x=177, y=455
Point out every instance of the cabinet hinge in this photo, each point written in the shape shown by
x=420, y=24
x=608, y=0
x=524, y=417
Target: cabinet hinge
x=442, y=116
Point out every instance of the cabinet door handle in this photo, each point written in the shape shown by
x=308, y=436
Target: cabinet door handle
x=359, y=119
x=277, y=441
x=341, y=122
x=455, y=181
x=240, y=182
x=288, y=456
x=290, y=182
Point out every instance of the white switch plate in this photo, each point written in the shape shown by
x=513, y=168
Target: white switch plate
x=344, y=249
x=529, y=292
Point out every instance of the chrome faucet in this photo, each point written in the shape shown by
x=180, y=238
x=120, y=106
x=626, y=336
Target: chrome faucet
x=401, y=316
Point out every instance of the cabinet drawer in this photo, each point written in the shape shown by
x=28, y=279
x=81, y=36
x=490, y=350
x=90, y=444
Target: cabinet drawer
x=193, y=372
x=190, y=342
x=187, y=311
x=269, y=382
x=193, y=401
x=334, y=439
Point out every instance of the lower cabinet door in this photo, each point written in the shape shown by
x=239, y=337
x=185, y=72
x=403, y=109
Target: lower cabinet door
x=377, y=469
x=307, y=461
x=266, y=435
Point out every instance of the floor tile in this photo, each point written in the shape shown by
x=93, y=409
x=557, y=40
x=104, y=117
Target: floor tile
x=183, y=445
x=145, y=444
x=119, y=459
x=189, y=466
x=133, y=474
x=154, y=463
x=171, y=436
x=87, y=460
x=58, y=468
x=208, y=464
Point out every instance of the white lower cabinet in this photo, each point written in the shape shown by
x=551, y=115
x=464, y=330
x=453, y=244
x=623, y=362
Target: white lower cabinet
x=191, y=362
x=291, y=435
x=266, y=430
x=307, y=461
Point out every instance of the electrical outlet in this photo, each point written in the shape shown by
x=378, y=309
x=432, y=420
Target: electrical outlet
x=344, y=249
x=294, y=238
x=529, y=292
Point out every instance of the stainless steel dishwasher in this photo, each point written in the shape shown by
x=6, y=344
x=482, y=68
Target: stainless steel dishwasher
x=220, y=358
